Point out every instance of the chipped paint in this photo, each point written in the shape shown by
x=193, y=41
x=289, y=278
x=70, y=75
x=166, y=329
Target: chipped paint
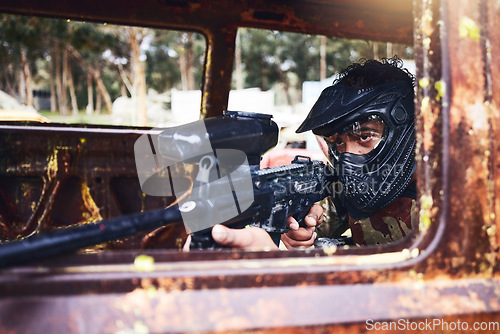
x=424, y=82
x=469, y=29
x=427, y=23
x=52, y=165
x=427, y=44
x=330, y=250
x=90, y=205
x=440, y=87
x=144, y=263
x=439, y=272
x=426, y=203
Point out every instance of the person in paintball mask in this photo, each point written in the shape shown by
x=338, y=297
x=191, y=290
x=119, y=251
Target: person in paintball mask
x=365, y=125
x=365, y=122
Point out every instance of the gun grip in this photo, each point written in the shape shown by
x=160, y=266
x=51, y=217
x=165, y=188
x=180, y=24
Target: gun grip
x=299, y=216
x=204, y=240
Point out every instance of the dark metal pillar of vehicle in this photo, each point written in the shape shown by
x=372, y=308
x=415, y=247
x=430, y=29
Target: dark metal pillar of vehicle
x=218, y=71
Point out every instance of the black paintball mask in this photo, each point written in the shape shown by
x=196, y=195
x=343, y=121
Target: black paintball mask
x=379, y=120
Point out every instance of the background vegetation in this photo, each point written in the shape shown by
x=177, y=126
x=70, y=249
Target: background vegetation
x=87, y=66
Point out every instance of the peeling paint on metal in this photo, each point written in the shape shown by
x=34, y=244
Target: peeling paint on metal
x=440, y=87
x=90, y=205
x=426, y=203
x=469, y=28
x=424, y=82
x=144, y=263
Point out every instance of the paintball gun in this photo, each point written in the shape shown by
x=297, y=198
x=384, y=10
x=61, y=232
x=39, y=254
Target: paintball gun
x=229, y=188
x=279, y=192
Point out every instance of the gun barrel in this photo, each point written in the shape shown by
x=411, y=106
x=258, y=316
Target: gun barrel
x=73, y=238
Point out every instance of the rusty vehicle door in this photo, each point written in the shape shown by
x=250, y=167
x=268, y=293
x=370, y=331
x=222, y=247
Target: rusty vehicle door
x=443, y=279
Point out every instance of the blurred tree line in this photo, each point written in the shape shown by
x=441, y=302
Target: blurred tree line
x=89, y=65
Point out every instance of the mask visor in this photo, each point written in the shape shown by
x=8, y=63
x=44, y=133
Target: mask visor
x=359, y=137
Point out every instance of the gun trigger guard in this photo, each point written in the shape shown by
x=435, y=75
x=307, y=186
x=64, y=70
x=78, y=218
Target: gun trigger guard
x=299, y=217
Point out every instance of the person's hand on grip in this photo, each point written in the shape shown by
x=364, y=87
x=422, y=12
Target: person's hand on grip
x=303, y=236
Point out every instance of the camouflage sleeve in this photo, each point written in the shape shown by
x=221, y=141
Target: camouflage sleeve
x=392, y=223
x=331, y=222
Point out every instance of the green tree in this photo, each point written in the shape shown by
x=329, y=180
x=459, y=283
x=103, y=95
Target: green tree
x=272, y=57
x=21, y=38
x=258, y=49
x=87, y=44
x=175, y=59
x=162, y=70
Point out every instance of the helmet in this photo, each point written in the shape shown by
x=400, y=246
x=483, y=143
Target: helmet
x=370, y=180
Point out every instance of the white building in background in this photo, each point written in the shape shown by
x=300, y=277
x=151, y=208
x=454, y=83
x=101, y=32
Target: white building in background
x=186, y=104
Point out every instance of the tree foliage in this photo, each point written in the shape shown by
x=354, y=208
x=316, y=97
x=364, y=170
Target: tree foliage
x=89, y=65
x=267, y=53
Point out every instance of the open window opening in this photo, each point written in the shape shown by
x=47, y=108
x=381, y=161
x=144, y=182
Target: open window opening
x=66, y=71
x=271, y=76
x=285, y=74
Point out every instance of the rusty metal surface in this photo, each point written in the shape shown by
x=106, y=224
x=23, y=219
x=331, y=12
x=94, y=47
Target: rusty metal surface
x=162, y=311
x=374, y=20
x=448, y=271
x=473, y=143
x=456, y=137
x=491, y=45
x=53, y=176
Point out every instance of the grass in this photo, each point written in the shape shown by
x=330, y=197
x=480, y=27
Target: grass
x=81, y=118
